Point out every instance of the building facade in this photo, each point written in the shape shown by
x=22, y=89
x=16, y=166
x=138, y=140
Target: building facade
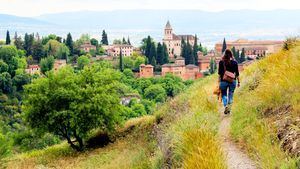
x=146, y=71
x=33, y=69
x=186, y=72
x=173, y=41
x=87, y=47
x=258, y=48
x=114, y=50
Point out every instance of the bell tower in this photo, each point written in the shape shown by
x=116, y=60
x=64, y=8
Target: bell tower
x=168, y=31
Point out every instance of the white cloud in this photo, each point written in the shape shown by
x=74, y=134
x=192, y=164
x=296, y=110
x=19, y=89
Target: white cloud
x=38, y=7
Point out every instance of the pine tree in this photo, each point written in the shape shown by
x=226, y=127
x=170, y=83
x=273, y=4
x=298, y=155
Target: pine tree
x=104, y=39
x=243, y=57
x=165, y=54
x=183, y=48
x=195, y=51
x=128, y=41
x=69, y=43
x=224, y=46
x=121, y=61
x=152, y=54
x=7, y=42
x=159, y=54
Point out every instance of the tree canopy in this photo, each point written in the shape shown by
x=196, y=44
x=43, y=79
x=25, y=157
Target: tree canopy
x=70, y=105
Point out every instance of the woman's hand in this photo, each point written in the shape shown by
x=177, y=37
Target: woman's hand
x=238, y=85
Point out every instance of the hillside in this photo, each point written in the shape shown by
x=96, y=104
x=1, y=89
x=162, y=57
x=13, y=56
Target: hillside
x=184, y=132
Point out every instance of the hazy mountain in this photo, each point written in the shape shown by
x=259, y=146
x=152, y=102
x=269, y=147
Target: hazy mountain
x=209, y=26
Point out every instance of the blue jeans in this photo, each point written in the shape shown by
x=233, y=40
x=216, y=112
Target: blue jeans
x=227, y=96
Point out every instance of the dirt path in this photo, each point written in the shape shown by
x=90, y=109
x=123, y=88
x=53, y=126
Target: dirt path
x=236, y=159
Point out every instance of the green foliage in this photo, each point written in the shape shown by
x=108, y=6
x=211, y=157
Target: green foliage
x=3, y=66
x=47, y=64
x=70, y=105
x=83, y=61
x=9, y=54
x=5, y=83
x=212, y=66
x=20, y=80
x=37, y=50
x=5, y=146
x=172, y=84
x=156, y=93
x=56, y=49
x=128, y=73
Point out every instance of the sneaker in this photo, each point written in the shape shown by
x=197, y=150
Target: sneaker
x=226, y=111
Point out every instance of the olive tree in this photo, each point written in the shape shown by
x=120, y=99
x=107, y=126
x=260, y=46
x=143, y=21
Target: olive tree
x=70, y=105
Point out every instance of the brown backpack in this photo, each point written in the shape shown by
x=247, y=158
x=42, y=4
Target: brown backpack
x=228, y=76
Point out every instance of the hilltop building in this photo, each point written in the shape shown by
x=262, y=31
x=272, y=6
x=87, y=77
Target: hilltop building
x=257, y=47
x=204, y=61
x=114, y=50
x=146, y=71
x=87, y=47
x=59, y=63
x=173, y=41
x=179, y=69
x=33, y=69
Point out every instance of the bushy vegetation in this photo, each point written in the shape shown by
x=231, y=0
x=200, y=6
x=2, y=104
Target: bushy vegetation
x=267, y=100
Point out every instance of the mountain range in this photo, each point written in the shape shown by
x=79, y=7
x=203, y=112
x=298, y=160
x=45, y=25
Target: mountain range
x=209, y=26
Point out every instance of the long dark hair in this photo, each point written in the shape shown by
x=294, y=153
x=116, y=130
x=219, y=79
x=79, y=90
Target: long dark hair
x=227, y=56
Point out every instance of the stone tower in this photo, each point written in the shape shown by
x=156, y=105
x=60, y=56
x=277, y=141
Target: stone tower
x=168, y=31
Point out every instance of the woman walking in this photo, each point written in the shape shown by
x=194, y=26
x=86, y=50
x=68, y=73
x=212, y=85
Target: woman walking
x=228, y=75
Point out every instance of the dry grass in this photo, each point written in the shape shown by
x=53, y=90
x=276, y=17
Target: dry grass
x=193, y=133
x=268, y=84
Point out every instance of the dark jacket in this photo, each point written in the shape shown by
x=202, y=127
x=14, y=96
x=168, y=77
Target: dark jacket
x=232, y=67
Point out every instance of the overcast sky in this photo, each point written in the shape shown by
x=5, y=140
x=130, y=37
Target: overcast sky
x=38, y=7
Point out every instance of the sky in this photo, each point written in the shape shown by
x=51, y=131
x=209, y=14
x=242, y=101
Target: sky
x=30, y=8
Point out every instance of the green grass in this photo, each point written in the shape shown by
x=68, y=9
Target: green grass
x=189, y=125
x=267, y=85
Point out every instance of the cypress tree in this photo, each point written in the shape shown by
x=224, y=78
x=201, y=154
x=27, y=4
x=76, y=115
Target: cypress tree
x=121, y=61
x=165, y=54
x=183, y=48
x=104, y=39
x=18, y=42
x=159, y=54
x=224, y=46
x=189, y=54
x=124, y=41
x=128, y=41
x=7, y=42
x=148, y=47
x=234, y=53
x=28, y=42
x=238, y=59
x=243, y=57
x=69, y=43
x=195, y=51
x=152, y=54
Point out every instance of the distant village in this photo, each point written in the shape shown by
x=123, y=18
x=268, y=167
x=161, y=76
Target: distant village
x=176, y=64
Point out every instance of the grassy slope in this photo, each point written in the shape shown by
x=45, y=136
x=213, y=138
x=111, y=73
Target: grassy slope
x=187, y=124
x=267, y=85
